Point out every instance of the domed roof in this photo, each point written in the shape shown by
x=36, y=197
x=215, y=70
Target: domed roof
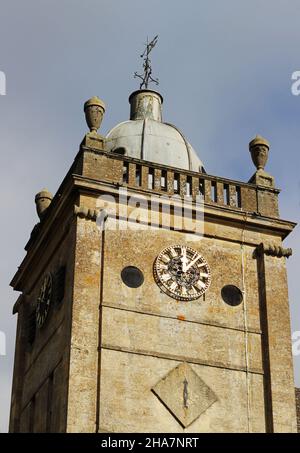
x=146, y=137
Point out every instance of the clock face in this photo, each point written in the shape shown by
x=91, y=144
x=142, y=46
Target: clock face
x=44, y=300
x=182, y=272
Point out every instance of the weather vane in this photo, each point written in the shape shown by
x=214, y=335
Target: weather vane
x=146, y=77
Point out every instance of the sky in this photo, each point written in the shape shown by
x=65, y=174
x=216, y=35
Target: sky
x=225, y=73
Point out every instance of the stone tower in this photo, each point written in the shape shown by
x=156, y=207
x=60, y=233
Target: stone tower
x=153, y=295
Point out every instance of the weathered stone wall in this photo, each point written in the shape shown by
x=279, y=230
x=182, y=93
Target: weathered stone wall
x=145, y=334
x=277, y=344
x=297, y=391
x=42, y=385
x=84, y=360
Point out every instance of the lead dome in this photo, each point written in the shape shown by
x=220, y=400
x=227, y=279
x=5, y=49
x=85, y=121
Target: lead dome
x=146, y=137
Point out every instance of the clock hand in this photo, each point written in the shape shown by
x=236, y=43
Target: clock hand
x=183, y=259
x=192, y=263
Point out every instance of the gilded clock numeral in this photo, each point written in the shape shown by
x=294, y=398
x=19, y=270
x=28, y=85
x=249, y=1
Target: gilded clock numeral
x=165, y=258
x=200, y=284
x=173, y=286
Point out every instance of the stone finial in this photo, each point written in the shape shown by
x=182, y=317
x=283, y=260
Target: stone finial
x=94, y=110
x=43, y=200
x=259, y=149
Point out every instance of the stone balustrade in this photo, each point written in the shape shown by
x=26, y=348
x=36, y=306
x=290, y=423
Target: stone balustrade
x=160, y=179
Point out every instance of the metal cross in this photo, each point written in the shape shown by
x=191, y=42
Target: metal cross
x=146, y=77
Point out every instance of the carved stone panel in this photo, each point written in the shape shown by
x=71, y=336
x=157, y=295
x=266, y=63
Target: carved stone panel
x=184, y=394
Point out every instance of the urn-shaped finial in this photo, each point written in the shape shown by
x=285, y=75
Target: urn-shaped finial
x=94, y=110
x=42, y=202
x=259, y=149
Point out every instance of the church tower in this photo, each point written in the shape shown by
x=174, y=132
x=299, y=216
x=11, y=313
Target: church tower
x=153, y=295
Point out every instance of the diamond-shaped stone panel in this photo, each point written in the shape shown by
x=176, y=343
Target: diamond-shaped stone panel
x=185, y=394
